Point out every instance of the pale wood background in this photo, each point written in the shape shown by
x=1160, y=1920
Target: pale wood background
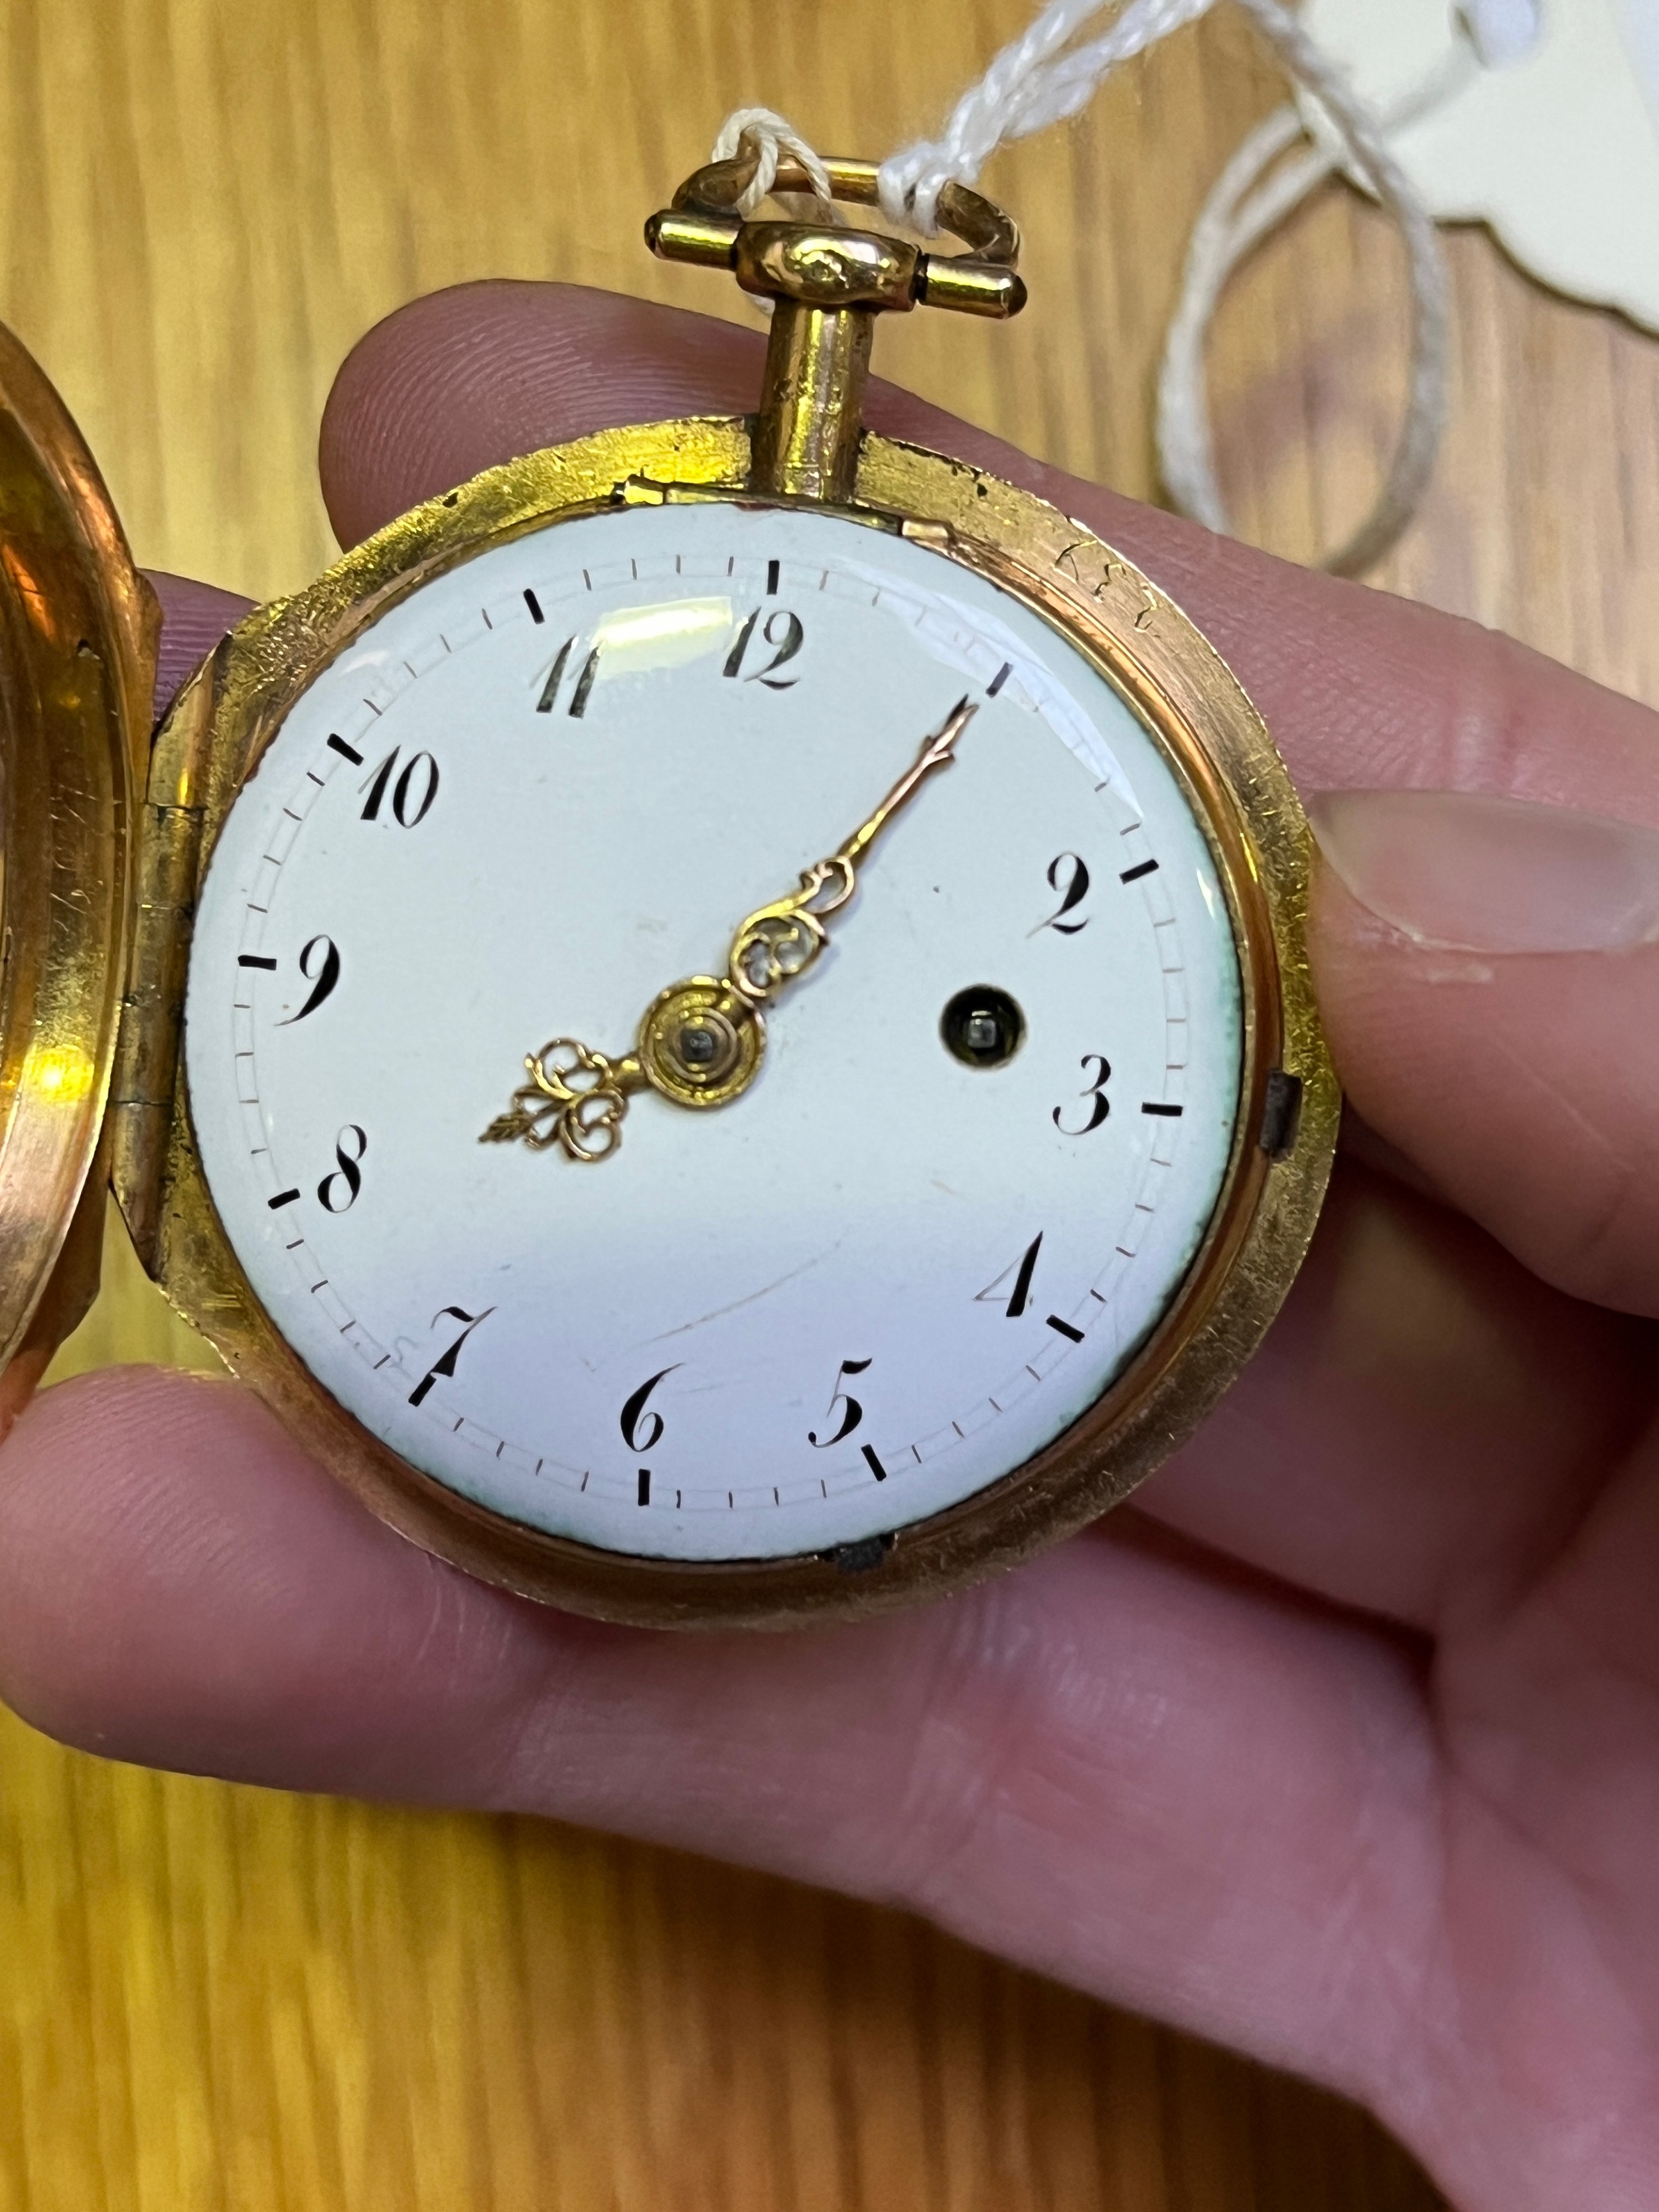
x=213, y=2000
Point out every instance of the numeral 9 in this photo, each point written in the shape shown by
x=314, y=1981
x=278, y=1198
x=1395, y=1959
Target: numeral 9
x=319, y=964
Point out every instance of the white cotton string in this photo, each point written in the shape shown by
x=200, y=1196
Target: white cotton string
x=1254, y=195
x=1032, y=83
x=771, y=137
x=1042, y=78
x=1232, y=224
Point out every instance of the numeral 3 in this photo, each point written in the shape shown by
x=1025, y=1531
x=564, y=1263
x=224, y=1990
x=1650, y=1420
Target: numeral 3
x=1099, y=1105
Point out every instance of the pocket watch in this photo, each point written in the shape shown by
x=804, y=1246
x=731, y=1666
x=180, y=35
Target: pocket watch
x=718, y=1019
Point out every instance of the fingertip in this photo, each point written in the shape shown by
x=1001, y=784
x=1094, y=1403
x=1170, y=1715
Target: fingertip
x=1520, y=1085
x=481, y=373
x=182, y=1586
x=194, y=617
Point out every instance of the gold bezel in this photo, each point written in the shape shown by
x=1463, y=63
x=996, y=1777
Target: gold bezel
x=1241, y=791
x=77, y=637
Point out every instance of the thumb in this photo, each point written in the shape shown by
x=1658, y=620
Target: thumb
x=1488, y=971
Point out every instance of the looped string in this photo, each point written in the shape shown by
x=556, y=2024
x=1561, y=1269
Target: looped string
x=1032, y=83
x=1042, y=78
x=1255, y=193
x=770, y=135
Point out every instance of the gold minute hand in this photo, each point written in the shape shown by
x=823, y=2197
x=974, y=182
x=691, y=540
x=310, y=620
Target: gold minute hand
x=777, y=943
x=700, y=1042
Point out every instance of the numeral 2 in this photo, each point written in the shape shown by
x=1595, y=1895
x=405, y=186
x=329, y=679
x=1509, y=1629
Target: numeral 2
x=1069, y=875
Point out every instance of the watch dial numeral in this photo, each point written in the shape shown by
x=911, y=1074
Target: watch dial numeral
x=1015, y=1296
x=852, y=1412
x=1068, y=875
x=781, y=630
x=444, y=1365
x=319, y=964
x=641, y=1429
x=413, y=794
x=338, y=1191
x=1099, y=1105
x=581, y=692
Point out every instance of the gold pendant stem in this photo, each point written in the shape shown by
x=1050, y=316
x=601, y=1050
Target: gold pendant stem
x=827, y=284
x=806, y=435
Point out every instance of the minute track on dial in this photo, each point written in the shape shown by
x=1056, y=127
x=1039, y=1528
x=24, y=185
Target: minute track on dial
x=700, y=1041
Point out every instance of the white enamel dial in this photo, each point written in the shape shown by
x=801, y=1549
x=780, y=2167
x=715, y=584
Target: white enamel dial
x=552, y=782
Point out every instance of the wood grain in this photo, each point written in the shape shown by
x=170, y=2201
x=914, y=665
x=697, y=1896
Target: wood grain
x=218, y=1998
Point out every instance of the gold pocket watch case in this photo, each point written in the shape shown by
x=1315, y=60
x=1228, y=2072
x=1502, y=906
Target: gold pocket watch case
x=101, y=896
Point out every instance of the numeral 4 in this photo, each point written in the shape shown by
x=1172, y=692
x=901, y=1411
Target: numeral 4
x=1014, y=1295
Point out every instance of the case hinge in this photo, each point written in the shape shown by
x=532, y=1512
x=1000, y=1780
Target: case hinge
x=152, y=1008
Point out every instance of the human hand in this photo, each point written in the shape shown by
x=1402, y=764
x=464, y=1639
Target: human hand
x=1342, y=1744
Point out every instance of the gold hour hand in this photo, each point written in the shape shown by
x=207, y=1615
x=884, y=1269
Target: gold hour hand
x=777, y=943
x=700, y=1042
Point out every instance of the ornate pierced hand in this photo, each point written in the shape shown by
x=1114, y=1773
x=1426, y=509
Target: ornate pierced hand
x=700, y=1041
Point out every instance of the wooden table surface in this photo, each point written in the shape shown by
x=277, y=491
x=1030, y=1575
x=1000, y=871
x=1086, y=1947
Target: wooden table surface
x=219, y=1998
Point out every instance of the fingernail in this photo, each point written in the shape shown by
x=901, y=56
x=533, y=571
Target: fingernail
x=1472, y=874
